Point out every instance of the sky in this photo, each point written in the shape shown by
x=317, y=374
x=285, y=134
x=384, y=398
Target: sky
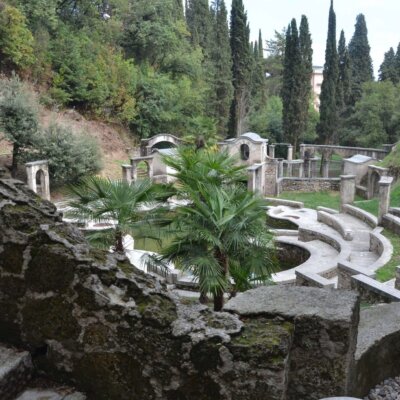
x=382, y=18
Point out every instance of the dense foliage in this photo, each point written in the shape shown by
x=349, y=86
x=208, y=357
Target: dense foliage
x=71, y=155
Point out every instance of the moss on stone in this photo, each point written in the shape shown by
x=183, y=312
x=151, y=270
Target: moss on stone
x=157, y=310
x=51, y=269
x=50, y=319
x=264, y=342
x=12, y=258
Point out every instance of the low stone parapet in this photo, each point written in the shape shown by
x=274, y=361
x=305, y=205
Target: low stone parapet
x=310, y=279
x=308, y=184
x=335, y=223
x=346, y=271
x=362, y=215
x=394, y=211
x=382, y=246
x=373, y=291
x=327, y=210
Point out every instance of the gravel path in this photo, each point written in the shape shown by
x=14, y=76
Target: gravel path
x=387, y=390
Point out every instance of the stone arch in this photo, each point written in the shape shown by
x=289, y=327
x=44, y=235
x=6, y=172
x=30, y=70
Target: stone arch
x=375, y=174
x=38, y=178
x=161, y=141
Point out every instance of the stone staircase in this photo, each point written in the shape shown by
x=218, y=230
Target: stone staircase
x=16, y=383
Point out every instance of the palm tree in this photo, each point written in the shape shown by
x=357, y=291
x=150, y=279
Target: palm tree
x=220, y=236
x=99, y=199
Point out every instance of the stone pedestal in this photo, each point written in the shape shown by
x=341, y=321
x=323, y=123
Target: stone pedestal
x=347, y=189
x=385, y=184
x=280, y=169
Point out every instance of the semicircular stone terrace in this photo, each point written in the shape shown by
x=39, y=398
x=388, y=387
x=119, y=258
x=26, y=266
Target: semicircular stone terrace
x=332, y=239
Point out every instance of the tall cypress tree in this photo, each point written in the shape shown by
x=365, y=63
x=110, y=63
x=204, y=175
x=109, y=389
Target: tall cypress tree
x=327, y=127
x=343, y=91
x=291, y=87
x=388, y=69
x=198, y=18
x=222, y=61
x=241, y=67
x=306, y=70
x=260, y=45
x=360, y=58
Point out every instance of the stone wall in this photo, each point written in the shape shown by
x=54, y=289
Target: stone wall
x=308, y=184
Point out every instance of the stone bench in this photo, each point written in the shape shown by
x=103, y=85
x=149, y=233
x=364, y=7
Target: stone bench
x=382, y=246
x=335, y=223
x=360, y=214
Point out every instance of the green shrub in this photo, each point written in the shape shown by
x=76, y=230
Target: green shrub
x=71, y=156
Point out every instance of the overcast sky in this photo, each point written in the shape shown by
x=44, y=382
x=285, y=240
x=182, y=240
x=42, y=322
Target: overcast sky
x=382, y=18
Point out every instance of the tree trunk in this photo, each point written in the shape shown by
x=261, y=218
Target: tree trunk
x=219, y=295
x=119, y=242
x=203, y=298
x=14, y=165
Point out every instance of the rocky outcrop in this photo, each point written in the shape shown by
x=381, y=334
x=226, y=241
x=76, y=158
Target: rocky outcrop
x=92, y=320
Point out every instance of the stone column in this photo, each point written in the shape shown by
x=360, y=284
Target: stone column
x=127, y=173
x=385, y=184
x=347, y=189
x=290, y=153
x=271, y=151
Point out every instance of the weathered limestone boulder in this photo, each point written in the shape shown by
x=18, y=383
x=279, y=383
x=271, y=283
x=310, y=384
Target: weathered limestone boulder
x=92, y=320
x=378, y=348
x=324, y=326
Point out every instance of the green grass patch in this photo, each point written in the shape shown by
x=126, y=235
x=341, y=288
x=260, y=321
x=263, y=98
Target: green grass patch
x=314, y=200
x=388, y=271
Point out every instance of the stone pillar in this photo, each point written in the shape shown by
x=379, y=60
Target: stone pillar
x=385, y=184
x=127, y=173
x=271, y=151
x=301, y=170
x=313, y=167
x=290, y=153
x=302, y=151
x=325, y=168
x=280, y=169
x=347, y=189
x=271, y=178
x=289, y=169
x=134, y=172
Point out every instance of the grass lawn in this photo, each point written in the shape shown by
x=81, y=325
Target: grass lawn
x=314, y=200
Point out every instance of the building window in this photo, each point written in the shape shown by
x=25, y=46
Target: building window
x=244, y=152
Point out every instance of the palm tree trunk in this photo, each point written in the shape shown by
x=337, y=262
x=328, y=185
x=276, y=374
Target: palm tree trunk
x=119, y=241
x=14, y=165
x=219, y=295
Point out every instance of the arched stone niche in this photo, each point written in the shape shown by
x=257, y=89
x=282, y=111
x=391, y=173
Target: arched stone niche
x=38, y=178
